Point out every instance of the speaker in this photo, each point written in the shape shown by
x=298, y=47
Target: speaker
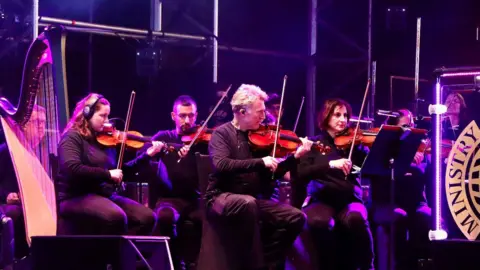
x=148, y=61
x=7, y=241
x=100, y=252
x=454, y=254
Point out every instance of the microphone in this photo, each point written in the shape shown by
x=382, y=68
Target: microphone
x=116, y=118
x=388, y=113
x=420, y=100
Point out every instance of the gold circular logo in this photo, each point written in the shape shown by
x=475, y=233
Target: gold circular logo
x=462, y=181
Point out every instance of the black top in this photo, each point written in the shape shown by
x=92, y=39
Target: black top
x=84, y=166
x=238, y=169
x=177, y=179
x=328, y=184
x=409, y=189
x=8, y=178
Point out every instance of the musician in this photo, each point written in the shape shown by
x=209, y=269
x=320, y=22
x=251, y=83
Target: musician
x=238, y=192
x=456, y=117
x=410, y=212
x=11, y=205
x=223, y=112
x=178, y=189
x=88, y=177
x=332, y=198
x=272, y=112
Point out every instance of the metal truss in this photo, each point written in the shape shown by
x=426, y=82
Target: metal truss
x=210, y=40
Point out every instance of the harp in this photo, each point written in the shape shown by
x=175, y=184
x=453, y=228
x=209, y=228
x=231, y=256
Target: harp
x=32, y=130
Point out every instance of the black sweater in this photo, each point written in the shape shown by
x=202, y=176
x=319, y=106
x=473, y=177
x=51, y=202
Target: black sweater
x=84, y=166
x=238, y=169
x=177, y=179
x=329, y=185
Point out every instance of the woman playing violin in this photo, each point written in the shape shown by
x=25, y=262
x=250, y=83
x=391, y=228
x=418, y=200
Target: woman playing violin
x=334, y=195
x=410, y=212
x=88, y=176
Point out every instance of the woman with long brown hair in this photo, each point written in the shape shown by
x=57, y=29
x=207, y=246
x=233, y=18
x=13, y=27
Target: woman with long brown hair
x=456, y=117
x=334, y=194
x=88, y=176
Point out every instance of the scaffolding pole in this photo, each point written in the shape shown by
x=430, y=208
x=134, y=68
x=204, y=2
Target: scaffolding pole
x=401, y=78
x=156, y=15
x=215, y=41
x=311, y=68
x=371, y=103
x=417, y=63
x=374, y=87
x=117, y=29
x=124, y=32
x=34, y=21
x=90, y=50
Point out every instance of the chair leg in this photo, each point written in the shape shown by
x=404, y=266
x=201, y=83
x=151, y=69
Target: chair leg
x=7, y=242
x=384, y=255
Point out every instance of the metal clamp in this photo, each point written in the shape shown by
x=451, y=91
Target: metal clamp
x=437, y=109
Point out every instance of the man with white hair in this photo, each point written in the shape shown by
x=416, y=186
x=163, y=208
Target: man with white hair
x=237, y=197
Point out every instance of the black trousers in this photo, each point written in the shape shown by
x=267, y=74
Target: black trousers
x=15, y=212
x=259, y=231
x=97, y=215
x=181, y=220
x=355, y=230
x=416, y=221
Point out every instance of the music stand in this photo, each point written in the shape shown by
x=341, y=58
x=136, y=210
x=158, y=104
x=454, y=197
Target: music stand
x=391, y=156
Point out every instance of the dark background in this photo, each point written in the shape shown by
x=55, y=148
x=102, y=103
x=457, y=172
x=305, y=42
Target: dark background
x=448, y=39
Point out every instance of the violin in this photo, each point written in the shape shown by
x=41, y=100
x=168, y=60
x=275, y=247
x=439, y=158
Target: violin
x=288, y=142
x=202, y=131
x=445, y=147
x=111, y=137
x=189, y=134
x=365, y=137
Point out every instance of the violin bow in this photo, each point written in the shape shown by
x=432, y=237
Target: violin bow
x=298, y=114
x=124, y=138
x=359, y=117
x=279, y=117
x=204, y=125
